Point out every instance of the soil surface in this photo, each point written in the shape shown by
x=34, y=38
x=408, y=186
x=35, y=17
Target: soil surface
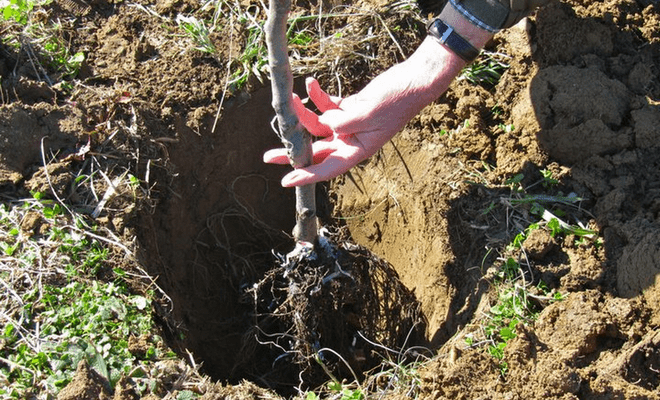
x=580, y=98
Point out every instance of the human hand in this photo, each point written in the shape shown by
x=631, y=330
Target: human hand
x=353, y=128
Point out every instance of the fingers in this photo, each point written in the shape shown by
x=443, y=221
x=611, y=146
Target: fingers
x=342, y=122
x=321, y=99
x=332, y=156
x=321, y=149
x=328, y=162
x=331, y=167
x=276, y=156
x=309, y=119
x=299, y=177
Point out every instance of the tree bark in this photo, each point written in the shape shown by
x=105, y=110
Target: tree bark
x=293, y=135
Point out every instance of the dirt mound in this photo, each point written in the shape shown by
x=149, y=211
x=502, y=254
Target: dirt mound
x=580, y=98
x=581, y=95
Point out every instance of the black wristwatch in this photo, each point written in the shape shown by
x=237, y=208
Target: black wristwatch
x=447, y=36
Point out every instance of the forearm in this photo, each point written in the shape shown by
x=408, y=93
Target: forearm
x=413, y=84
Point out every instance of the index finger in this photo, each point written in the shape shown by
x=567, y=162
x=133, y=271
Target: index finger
x=321, y=99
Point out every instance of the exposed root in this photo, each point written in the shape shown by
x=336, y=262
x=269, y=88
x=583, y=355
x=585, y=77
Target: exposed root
x=325, y=315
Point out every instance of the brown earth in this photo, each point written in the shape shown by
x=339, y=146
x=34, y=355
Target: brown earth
x=582, y=94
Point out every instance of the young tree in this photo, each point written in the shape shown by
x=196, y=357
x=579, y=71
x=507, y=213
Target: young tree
x=294, y=136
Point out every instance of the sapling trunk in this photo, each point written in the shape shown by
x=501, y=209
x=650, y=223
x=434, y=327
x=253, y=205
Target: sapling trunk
x=294, y=136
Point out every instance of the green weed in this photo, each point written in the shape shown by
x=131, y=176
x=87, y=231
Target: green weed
x=77, y=321
x=301, y=39
x=55, y=315
x=18, y=10
x=253, y=58
x=60, y=58
x=518, y=301
x=544, y=206
x=254, y=55
x=514, y=306
x=197, y=30
x=514, y=182
x=548, y=180
x=506, y=128
x=345, y=392
x=43, y=40
x=486, y=71
x=397, y=377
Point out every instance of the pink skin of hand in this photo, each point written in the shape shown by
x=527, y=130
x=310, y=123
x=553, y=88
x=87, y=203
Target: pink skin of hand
x=354, y=128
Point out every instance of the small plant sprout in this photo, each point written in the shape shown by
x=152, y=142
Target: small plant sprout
x=488, y=209
x=548, y=180
x=487, y=70
x=345, y=392
x=61, y=59
x=198, y=32
x=300, y=38
x=558, y=226
x=506, y=128
x=513, y=307
x=254, y=57
x=514, y=182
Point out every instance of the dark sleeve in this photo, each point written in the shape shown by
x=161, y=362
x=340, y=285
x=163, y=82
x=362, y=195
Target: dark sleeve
x=494, y=15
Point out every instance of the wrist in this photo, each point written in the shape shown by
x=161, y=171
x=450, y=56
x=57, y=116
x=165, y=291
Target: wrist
x=447, y=36
x=426, y=74
x=475, y=35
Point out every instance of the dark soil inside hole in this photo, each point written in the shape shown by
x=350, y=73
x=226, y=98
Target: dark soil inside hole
x=337, y=312
x=214, y=244
x=214, y=231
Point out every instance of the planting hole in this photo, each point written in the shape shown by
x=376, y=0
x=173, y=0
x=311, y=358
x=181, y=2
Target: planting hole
x=235, y=306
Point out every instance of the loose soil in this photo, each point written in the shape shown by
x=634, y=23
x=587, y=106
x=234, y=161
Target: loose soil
x=582, y=94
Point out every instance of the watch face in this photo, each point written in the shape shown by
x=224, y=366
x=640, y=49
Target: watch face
x=439, y=29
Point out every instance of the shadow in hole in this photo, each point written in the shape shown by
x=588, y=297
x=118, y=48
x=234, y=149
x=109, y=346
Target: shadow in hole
x=314, y=320
x=211, y=239
x=213, y=230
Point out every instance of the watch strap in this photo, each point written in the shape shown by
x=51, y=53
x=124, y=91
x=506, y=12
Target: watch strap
x=447, y=36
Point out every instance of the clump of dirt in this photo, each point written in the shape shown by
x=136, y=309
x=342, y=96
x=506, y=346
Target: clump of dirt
x=87, y=384
x=580, y=105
